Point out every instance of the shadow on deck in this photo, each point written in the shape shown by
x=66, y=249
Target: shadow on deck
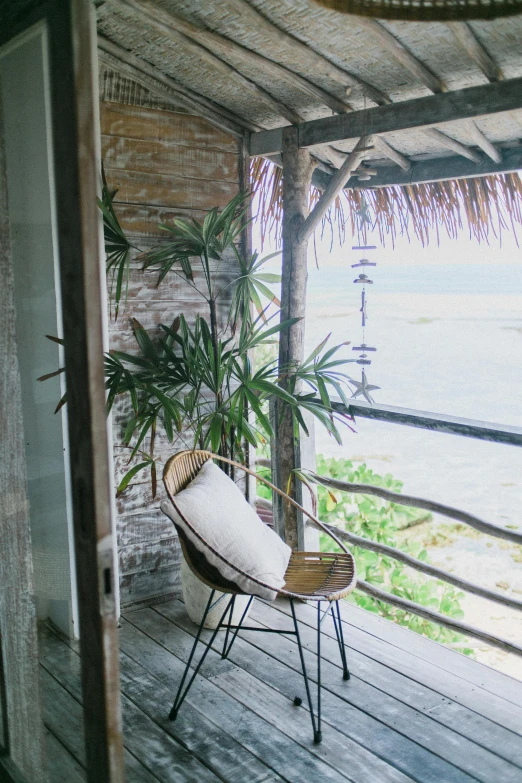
x=412, y=710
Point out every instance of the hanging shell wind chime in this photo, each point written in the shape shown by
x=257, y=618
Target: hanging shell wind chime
x=363, y=388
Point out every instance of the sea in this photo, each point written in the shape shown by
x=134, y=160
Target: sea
x=446, y=321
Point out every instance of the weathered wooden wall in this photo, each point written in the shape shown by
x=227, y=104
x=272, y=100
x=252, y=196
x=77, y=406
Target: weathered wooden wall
x=164, y=163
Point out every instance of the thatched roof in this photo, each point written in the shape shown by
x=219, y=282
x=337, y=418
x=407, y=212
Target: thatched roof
x=261, y=64
x=482, y=207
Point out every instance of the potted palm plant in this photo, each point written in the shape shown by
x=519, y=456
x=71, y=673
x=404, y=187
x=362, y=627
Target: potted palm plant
x=197, y=381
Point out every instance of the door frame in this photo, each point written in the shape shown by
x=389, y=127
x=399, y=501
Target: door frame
x=71, y=35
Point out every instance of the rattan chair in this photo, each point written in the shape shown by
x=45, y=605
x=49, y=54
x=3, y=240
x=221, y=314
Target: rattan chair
x=310, y=576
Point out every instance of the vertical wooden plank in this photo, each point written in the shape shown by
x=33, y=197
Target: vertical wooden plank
x=245, y=186
x=297, y=178
x=22, y=718
x=72, y=67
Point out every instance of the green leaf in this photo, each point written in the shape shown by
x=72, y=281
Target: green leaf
x=124, y=483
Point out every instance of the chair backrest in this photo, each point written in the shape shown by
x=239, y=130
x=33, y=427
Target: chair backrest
x=182, y=468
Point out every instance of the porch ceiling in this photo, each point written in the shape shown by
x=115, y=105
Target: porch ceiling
x=262, y=64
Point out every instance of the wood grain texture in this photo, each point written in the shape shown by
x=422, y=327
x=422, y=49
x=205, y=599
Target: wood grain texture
x=17, y=603
x=135, y=122
x=159, y=156
x=164, y=164
x=444, y=671
x=464, y=104
x=168, y=189
x=475, y=745
x=298, y=167
x=405, y=715
x=271, y=726
x=76, y=145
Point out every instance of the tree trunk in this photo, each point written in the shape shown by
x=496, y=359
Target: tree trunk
x=297, y=177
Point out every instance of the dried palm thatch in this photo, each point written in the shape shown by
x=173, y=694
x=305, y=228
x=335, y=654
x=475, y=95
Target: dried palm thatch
x=485, y=206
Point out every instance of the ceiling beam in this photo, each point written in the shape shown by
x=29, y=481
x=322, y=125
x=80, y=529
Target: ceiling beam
x=422, y=113
x=436, y=169
x=432, y=83
x=483, y=142
x=389, y=152
x=335, y=186
x=469, y=41
x=225, y=47
x=314, y=61
x=202, y=53
x=402, y=54
x=166, y=87
x=446, y=141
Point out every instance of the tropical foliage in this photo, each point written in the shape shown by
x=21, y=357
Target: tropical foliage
x=198, y=381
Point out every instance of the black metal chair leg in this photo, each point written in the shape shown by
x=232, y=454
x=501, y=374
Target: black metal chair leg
x=237, y=629
x=340, y=638
x=232, y=604
x=181, y=694
x=298, y=700
x=318, y=734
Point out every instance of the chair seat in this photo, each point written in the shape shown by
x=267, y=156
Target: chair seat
x=323, y=576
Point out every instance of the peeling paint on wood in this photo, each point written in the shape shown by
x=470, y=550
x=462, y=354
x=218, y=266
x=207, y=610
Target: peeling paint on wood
x=133, y=122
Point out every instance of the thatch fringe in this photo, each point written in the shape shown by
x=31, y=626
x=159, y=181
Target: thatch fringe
x=485, y=206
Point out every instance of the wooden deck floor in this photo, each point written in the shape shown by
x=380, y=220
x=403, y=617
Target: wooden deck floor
x=412, y=710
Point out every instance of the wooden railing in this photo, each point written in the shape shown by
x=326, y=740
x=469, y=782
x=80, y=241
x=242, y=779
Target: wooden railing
x=440, y=423
x=425, y=568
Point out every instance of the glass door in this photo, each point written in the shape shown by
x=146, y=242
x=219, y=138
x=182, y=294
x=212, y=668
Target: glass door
x=58, y=635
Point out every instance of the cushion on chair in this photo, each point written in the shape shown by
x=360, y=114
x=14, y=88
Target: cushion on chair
x=215, y=516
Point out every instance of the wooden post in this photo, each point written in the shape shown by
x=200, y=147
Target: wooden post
x=298, y=167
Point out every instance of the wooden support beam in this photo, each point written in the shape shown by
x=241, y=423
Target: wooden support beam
x=297, y=176
x=469, y=41
x=432, y=82
x=446, y=141
x=436, y=169
x=202, y=53
x=401, y=54
x=381, y=145
x=484, y=143
x=165, y=86
x=335, y=186
x=313, y=61
x=225, y=47
x=469, y=103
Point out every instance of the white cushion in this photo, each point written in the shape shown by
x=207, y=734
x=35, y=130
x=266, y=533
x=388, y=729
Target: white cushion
x=214, y=515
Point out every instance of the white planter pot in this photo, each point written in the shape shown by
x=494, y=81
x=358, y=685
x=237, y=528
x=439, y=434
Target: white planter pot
x=196, y=594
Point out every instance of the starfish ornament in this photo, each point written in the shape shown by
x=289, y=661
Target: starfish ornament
x=363, y=388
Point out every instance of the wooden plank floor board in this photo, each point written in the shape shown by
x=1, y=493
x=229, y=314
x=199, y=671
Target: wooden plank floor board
x=62, y=765
x=444, y=681
x=461, y=720
x=408, y=721
x=342, y=719
x=151, y=755
x=468, y=669
x=223, y=754
x=404, y=716
x=286, y=757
